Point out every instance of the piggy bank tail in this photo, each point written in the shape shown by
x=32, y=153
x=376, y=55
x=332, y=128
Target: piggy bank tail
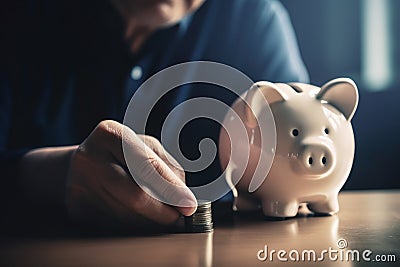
x=240, y=203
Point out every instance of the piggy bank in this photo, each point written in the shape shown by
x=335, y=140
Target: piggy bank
x=314, y=148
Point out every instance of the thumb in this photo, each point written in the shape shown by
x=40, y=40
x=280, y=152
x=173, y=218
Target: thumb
x=155, y=177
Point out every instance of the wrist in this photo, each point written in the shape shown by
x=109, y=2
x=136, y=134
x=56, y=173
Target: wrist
x=43, y=173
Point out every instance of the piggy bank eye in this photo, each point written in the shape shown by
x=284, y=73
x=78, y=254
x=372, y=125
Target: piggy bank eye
x=326, y=131
x=295, y=132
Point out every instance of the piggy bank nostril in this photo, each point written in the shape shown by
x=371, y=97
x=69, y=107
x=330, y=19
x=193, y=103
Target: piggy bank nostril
x=323, y=160
x=310, y=160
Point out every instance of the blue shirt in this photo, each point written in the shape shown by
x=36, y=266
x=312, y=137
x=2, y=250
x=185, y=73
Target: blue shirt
x=66, y=67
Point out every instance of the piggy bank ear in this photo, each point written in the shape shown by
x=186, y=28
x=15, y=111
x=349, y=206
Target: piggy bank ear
x=341, y=93
x=261, y=94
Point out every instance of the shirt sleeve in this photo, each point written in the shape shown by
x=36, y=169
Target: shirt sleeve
x=284, y=44
x=272, y=52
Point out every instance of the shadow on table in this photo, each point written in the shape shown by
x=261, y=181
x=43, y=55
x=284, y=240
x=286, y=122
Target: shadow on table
x=56, y=226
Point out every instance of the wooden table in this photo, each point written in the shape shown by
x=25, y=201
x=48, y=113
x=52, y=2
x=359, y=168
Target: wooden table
x=368, y=220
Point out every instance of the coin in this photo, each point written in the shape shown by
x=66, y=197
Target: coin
x=201, y=220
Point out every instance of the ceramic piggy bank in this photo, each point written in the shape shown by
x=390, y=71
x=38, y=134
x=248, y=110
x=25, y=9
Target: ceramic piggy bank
x=314, y=148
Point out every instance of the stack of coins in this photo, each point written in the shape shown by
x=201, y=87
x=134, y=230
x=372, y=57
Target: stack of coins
x=201, y=220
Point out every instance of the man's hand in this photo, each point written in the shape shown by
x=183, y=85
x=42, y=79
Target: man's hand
x=99, y=183
x=99, y=188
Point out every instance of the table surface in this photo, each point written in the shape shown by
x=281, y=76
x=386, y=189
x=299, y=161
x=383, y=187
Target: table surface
x=367, y=221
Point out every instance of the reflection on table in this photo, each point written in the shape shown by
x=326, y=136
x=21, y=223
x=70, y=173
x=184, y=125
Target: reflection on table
x=367, y=221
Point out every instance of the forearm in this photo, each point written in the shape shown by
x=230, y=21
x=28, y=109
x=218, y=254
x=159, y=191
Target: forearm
x=42, y=175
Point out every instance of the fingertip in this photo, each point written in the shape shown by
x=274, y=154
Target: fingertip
x=187, y=206
x=187, y=211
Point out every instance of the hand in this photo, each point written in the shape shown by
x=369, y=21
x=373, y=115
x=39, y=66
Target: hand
x=100, y=187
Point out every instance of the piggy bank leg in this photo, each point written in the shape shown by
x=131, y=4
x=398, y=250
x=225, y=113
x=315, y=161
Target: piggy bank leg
x=280, y=208
x=330, y=206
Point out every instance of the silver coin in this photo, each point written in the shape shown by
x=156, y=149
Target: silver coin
x=201, y=228
x=199, y=223
x=201, y=220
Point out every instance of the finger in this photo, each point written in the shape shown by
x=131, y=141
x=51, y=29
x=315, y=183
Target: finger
x=157, y=147
x=165, y=186
x=89, y=194
x=144, y=164
x=151, y=171
x=120, y=191
x=171, y=191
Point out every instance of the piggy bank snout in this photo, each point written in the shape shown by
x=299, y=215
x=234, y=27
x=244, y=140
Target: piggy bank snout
x=317, y=159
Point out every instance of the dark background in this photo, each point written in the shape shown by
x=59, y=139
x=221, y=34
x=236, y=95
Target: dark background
x=331, y=36
x=332, y=41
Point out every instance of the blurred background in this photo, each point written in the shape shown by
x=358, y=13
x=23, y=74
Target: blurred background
x=359, y=39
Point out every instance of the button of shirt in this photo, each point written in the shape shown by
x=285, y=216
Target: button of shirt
x=136, y=73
